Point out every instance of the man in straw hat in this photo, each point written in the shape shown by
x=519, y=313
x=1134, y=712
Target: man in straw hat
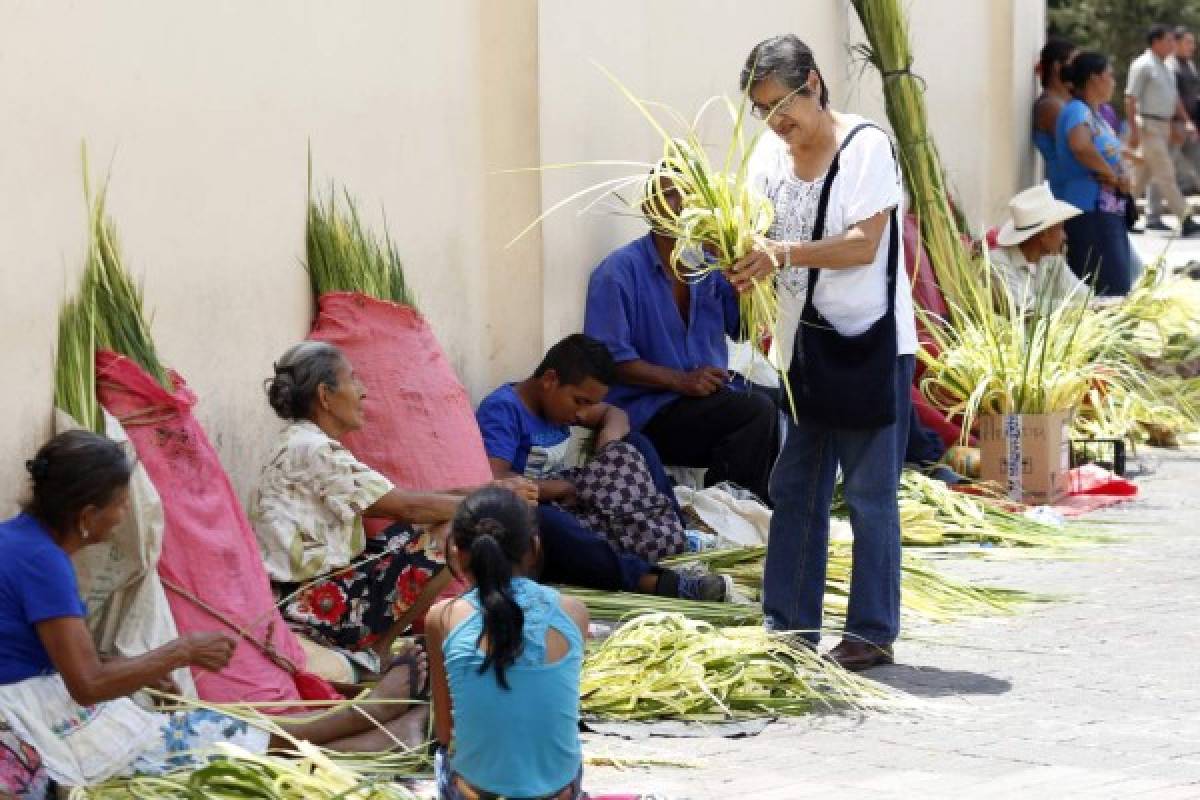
x=1029, y=256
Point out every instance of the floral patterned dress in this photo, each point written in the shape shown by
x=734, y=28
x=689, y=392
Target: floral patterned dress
x=341, y=588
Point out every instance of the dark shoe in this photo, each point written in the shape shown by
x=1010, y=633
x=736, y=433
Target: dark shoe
x=943, y=473
x=1157, y=225
x=856, y=656
x=1190, y=228
x=705, y=588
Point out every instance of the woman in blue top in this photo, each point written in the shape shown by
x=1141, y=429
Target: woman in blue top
x=505, y=660
x=1055, y=56
x=74, y=708
x=1093, y=179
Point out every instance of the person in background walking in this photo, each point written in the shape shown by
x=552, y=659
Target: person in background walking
x=1185, y=148
x=1151, y=102
x=1093, y=179
x=1055, y=56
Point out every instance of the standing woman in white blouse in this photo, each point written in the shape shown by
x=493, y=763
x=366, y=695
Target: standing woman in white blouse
x=847, y=338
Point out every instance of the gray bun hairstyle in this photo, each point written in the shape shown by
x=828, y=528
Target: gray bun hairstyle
x=299, y=374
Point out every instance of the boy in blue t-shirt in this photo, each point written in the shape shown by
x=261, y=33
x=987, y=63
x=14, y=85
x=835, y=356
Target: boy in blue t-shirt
x=526, y=432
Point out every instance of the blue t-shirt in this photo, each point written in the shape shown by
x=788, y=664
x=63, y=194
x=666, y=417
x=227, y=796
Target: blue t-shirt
x=631, y=309
x=37, y=583
x=534, y=447
x=1077, y=184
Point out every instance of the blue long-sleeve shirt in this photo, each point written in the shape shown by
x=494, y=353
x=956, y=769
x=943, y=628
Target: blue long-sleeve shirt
x=631, y=309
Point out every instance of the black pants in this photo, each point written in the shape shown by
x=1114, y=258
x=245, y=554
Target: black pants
x=734, y=433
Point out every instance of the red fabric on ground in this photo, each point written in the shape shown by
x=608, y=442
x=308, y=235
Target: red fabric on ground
x=1093, y=488
x=420, y=427
x=1093, y=480
x=209, y=548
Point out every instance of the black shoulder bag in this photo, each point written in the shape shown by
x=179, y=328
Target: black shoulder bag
x=846, y=382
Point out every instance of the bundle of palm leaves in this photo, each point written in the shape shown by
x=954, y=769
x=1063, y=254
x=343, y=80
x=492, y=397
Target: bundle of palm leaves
x=721, y=213
x=343, y=255
x=118, y=309
x=75, y=363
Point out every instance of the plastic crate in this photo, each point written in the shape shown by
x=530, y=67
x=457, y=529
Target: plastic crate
x=1107, y=453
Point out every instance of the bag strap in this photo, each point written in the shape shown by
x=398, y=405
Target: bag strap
x=823, y=207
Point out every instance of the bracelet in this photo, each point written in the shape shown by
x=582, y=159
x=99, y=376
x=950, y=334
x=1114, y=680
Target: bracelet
x=787, y=255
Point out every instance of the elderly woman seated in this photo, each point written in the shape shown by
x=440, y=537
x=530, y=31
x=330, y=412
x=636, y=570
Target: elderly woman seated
x=341, y=588
x=75, y=710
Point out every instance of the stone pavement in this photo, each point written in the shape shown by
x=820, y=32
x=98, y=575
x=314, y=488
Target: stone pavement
x=1093, y=697
x=1178, y=252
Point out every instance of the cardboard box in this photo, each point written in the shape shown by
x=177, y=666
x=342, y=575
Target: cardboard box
x=1028, y=455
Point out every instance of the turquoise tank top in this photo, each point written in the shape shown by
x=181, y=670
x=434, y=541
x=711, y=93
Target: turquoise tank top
x=522, y=741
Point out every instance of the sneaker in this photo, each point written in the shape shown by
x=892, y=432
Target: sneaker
x=1157, y=225
x=1190, y=228
x=706, y=588
x=943, y=473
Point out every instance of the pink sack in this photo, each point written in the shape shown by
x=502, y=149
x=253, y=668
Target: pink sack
x=420, y=427
x=209, y=549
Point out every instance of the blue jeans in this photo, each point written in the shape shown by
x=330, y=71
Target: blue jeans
x=798, y=548
x=1098, y=249
x=576, y=556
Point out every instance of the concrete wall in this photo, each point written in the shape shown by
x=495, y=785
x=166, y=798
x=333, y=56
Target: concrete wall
x=206, y=110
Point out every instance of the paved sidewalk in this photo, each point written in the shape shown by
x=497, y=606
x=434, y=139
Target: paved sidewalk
x=1094, y=697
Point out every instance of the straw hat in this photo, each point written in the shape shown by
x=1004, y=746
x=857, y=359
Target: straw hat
x=1032, y=211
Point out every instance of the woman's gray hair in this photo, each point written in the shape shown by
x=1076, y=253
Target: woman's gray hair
x=785, y=58
x=299, y=374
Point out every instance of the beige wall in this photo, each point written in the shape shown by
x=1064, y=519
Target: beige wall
x=979, y=95
x=206, y=110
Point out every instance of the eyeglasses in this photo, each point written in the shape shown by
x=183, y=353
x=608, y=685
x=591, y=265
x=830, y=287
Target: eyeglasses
x=759, y=111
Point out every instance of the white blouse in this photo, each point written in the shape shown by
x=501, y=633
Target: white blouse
x=868, y=182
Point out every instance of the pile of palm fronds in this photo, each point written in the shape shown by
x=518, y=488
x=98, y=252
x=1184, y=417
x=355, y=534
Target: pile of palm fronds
x=668, y=666
x=932, y=514
x=300, y=771
x=927, y=594
x=305, y=773
x=343, y=255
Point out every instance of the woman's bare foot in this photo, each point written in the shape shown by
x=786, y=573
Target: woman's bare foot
x=407, y=675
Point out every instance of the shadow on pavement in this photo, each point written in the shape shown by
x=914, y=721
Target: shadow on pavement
x=934, y=682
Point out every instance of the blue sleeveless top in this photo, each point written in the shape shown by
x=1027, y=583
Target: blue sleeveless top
x=1044, y=142
x=523, y=741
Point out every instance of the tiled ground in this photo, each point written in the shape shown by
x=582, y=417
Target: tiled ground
x=1092, y=697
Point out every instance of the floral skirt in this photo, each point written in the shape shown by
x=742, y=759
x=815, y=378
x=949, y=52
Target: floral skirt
x=353, y=607
x=185, y=737
x=21, y=772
